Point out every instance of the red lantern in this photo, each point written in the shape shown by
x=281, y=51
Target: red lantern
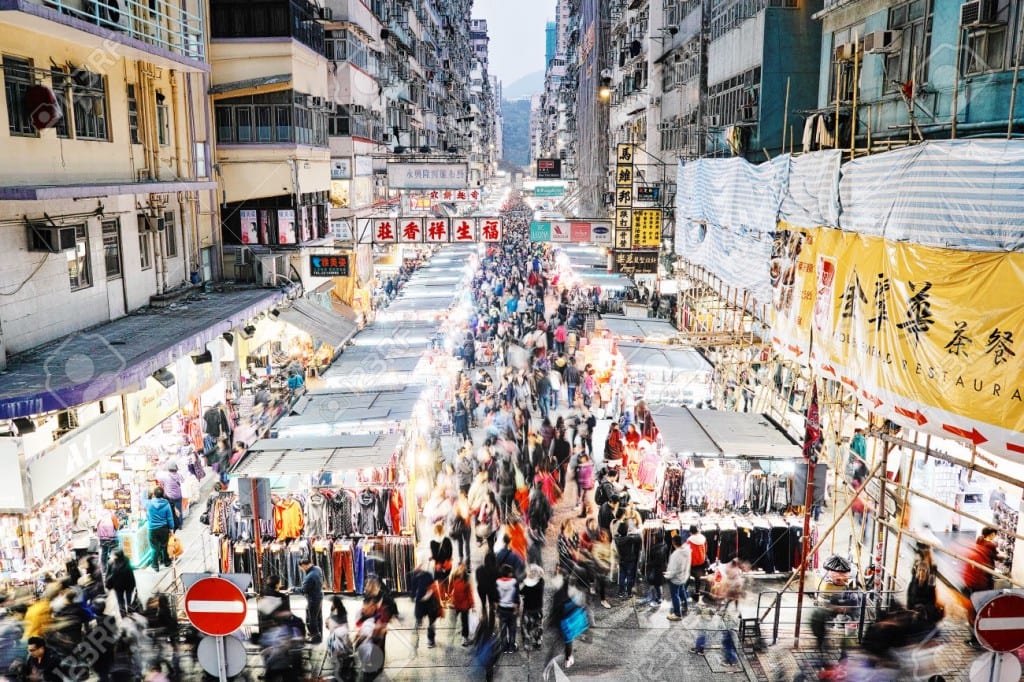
x=43, y=107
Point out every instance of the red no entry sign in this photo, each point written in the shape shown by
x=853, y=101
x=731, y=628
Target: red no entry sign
x=1000, y=623
x=215, y=606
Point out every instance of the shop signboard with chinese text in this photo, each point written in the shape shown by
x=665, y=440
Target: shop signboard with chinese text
x=329, y=265
x=73, y=455
x=648, y=194
x=635, y=262
x=549, y=169
x=453, y=196
x=891, y=321
x=646, y=227
x=416, y=230
x=412, y=175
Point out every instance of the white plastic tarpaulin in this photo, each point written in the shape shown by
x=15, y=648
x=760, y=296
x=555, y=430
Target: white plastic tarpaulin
x=959, y=194
x=812, y=193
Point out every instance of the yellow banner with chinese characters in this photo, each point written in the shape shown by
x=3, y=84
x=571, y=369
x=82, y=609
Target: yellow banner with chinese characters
x=922, y=334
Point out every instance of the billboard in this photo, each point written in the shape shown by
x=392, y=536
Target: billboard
x=424, y=175
x=549, y=169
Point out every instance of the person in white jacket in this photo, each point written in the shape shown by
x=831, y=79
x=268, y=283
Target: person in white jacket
x=677, y=573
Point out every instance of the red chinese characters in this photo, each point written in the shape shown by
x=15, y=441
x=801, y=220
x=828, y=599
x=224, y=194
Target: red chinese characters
x=412, y=230
x=384, y=231
x=437, y=230
x=463, y=231
x=490, y=230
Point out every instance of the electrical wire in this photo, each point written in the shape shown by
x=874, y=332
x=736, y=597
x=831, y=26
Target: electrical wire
x=26, y=280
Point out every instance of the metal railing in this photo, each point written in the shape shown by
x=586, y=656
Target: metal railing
x=850, y=619
x=161, y=23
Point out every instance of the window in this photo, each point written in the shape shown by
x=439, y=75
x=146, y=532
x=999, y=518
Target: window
x=264, y=123
x=89, y=100
x=225, y=127
x=112, y=248
x=284, y=123
x=133, y=115
x=163, y=120
x=78, y=260
x=17, y=80
x=841, y=74
x=243, y=120
x=344, y=46
x=61, y=89
x=914, y=21
x=986, y=46
x=145, y=248
x=170, y=235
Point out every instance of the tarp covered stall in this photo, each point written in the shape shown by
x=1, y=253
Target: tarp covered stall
x=649, y=330
x=325, y=326
x=668, y=374
x=718, y=433
x=305, y=456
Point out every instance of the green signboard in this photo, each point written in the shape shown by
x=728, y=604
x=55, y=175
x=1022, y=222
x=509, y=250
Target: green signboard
x=549, y=191
x=540, y=231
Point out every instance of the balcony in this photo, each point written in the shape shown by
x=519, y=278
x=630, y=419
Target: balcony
x=297, y=19
x=154, y=27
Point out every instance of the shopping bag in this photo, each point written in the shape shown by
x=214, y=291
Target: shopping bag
x=174, y=548
x=575, y=622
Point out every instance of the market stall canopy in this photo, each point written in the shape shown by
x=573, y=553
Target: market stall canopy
x=325, y=326
x=723, y=433
x=311, y=455
x=651, y=331
x=338, y=413
x=607, y=282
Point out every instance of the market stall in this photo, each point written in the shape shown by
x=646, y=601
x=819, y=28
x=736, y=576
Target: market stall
x=671, y=375
x=732, y=474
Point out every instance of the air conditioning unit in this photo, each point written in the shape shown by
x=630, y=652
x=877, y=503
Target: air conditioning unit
x=977, y=13
x=330, y=106
x=50, y=238
x=106, y=13
x=318, y=101
x=881, y=41
x=845, y=52
x=327, y=14
x=713, y=121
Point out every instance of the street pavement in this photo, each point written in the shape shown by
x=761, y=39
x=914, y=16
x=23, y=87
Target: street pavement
x=628, y=642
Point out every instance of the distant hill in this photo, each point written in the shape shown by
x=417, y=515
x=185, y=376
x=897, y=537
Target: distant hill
x=515, y=131
x=527, y=86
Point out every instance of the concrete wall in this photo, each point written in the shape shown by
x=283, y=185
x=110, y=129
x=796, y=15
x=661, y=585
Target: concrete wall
x=47, y=159
x=260, y=170
x=44, y=307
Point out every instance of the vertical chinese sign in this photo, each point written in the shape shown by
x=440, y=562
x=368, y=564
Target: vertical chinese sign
x=623, y=197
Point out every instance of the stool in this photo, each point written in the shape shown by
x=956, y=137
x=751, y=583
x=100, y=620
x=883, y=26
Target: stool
x=750, y=628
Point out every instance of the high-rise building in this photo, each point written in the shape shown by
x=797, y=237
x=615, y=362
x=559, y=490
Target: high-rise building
x=550, y=41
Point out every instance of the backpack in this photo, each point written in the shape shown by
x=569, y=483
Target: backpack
x=456, y=524
x=698, y=553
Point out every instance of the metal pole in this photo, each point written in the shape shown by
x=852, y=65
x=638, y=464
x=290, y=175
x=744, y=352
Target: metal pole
x=853, y=110
x=835, y=140
x=805, y=552
x=956, y=83
x=882, y=535
x=1016, y=71
x=899, y=534
x=785, y=118
x=222, y=660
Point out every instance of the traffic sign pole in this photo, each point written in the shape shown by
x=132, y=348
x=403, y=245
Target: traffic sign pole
x=222, y=661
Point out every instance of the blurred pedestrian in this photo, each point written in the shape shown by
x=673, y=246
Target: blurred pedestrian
x=160, y=516
x=121, y=579
x=313, y=589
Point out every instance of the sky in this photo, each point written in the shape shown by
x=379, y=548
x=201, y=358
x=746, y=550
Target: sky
x=516, y=30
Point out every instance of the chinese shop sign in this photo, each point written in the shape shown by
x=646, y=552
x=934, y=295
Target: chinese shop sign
x=336, y=265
